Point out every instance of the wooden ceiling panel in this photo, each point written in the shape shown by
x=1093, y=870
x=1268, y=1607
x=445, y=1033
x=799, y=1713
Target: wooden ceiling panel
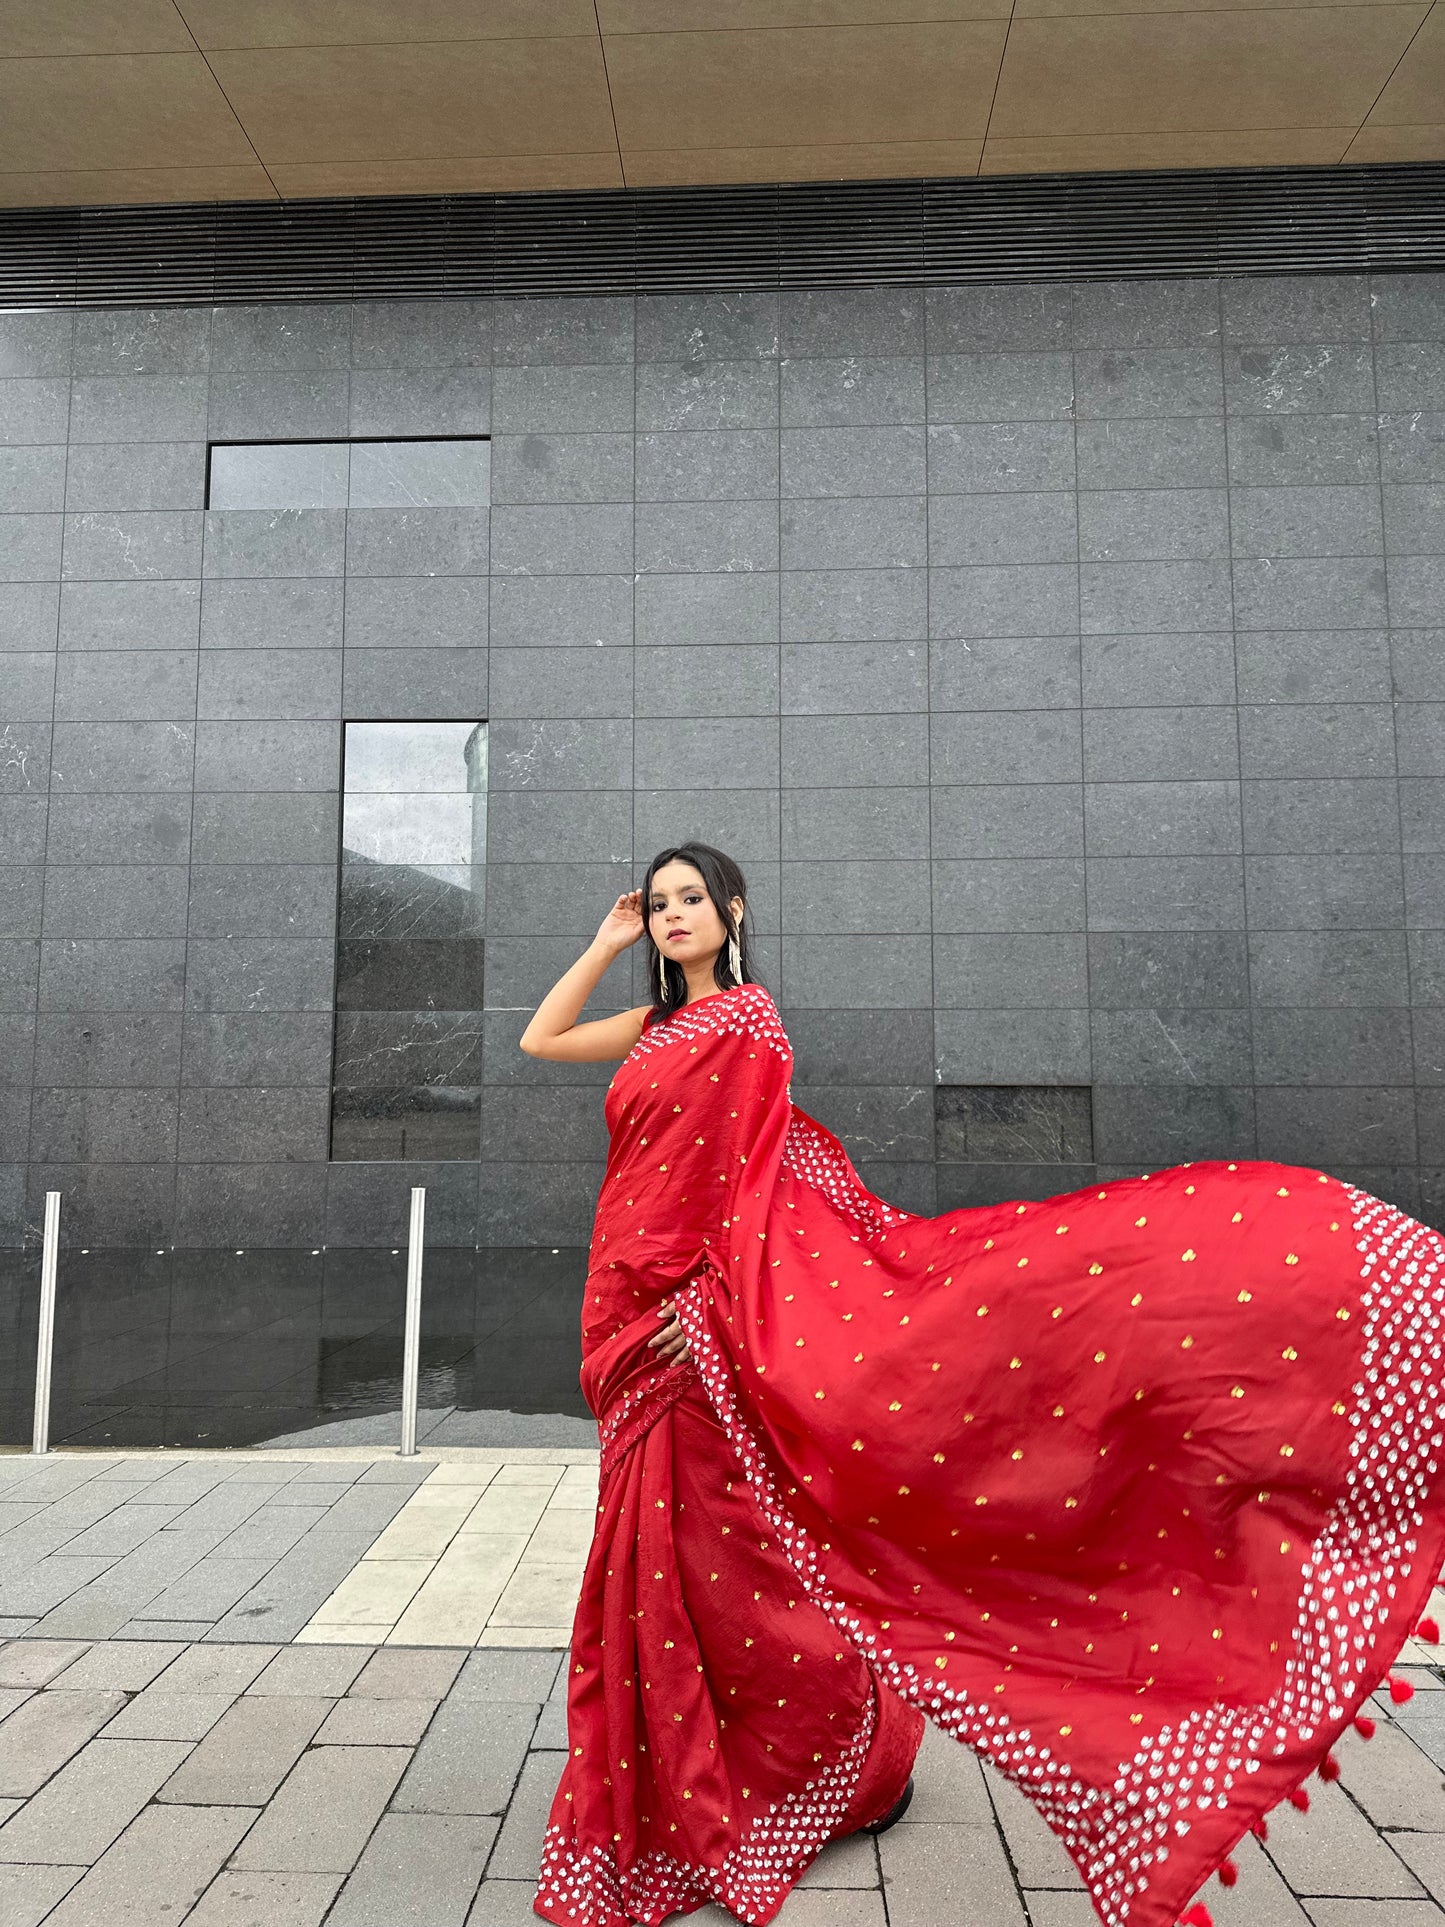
x=829, y=86
x=31, y=27
x=882, y=161
x=1374, y=143
x=168, y=100
x=1051, y=9
x=695, y=16
x=136, y=187
x=492, y=174
x=1199, y=72
x=456, y=100
x=1105, y=153
x=116, y=111
x=1415, y=93
x=344, y=23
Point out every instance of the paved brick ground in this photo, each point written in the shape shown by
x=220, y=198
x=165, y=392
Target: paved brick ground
x=153, y=1782
x=157, y=1547
x=166, y=1771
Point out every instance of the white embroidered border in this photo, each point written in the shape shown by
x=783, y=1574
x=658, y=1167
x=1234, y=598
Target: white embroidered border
x=812, y=1156
x=750, y=1879
x=1117, y=1834
x=745, y=1010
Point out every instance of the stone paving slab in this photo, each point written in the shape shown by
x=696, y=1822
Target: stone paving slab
x=322, y=1818
x=418, y=1870
x=376, y=1722
x=364, y=1770
x=248, y=1752
x=470, y=1758
x=40, y=1736
x=255, y=1899
x=158, y=1869
x=153, y=1544
x=518, y=1851
x=299, y=1671
x=255, y=1767
x=1260, y=1899
x=218, y=1668
x=28, y=1894
x=1394, y=1783
x=1383, y=1913
x=90, y=1802
x=1424, y=1855
x=147, y=1630
x=124, y=1664
x=36, y=1662
x=508, y=1903
x=1334, y=1850
x=158, y=1715
x=923, y=1861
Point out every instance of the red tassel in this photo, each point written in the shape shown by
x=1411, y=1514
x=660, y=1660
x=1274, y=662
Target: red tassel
x=1429, y=1631
x=1329, y=1767
x=1299, y=1798
x=1260, y=1829
x=1365, y=1726
x=1400, y=1690
x=1198, y=1916
x=1228, y=1873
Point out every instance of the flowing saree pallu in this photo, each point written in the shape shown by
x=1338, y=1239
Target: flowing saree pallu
x=1134, y=1491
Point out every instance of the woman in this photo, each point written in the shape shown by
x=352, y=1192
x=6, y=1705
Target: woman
x=1134, y=1491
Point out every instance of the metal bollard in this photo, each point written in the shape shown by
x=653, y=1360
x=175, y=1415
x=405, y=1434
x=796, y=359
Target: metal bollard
x=45, y=1335
x=411, y=1347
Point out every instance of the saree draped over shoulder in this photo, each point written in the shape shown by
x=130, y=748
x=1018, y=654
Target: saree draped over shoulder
x=1135, y=1491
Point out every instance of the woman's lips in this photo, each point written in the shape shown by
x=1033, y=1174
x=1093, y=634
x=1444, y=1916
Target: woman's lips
x=673, y=935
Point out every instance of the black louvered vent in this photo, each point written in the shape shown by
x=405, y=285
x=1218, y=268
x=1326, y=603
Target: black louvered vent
x=1298, y=220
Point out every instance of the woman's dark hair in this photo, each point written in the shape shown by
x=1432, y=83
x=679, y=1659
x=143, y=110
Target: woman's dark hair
x=723, y=881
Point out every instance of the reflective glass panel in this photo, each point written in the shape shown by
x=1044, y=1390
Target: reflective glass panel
x=399, y=900
x=280, y=475
x=453, y=473
x=415, y=756
x=410, y=954
x=420, y=828
x=359, y=475
x=390, y=475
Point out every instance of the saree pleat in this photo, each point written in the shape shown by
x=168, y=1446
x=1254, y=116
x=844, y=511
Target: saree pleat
x=720, y=1730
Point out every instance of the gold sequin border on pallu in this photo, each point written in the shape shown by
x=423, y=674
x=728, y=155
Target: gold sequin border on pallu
x=1118, y=1834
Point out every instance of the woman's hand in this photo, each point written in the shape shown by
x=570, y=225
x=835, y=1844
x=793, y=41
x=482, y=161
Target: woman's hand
x=622, y=925
x=671, y=1342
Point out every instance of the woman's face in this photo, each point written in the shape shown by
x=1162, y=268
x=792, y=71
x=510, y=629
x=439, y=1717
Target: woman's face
x=681, y=916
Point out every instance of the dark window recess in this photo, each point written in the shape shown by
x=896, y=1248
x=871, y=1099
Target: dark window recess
x=1013, y=1123
x=410, y=957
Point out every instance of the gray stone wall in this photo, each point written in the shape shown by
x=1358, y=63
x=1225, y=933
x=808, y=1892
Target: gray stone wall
x=1064, y=666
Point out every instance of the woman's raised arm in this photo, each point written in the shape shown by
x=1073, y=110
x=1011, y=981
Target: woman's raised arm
x=554, y=1031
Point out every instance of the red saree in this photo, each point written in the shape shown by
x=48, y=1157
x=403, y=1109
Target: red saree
x=1133, y=1491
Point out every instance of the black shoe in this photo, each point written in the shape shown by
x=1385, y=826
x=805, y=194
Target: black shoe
x=895, y=1812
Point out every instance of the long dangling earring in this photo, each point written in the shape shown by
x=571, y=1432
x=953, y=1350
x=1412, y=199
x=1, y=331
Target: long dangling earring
x=661, y=971
x=735, y=955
